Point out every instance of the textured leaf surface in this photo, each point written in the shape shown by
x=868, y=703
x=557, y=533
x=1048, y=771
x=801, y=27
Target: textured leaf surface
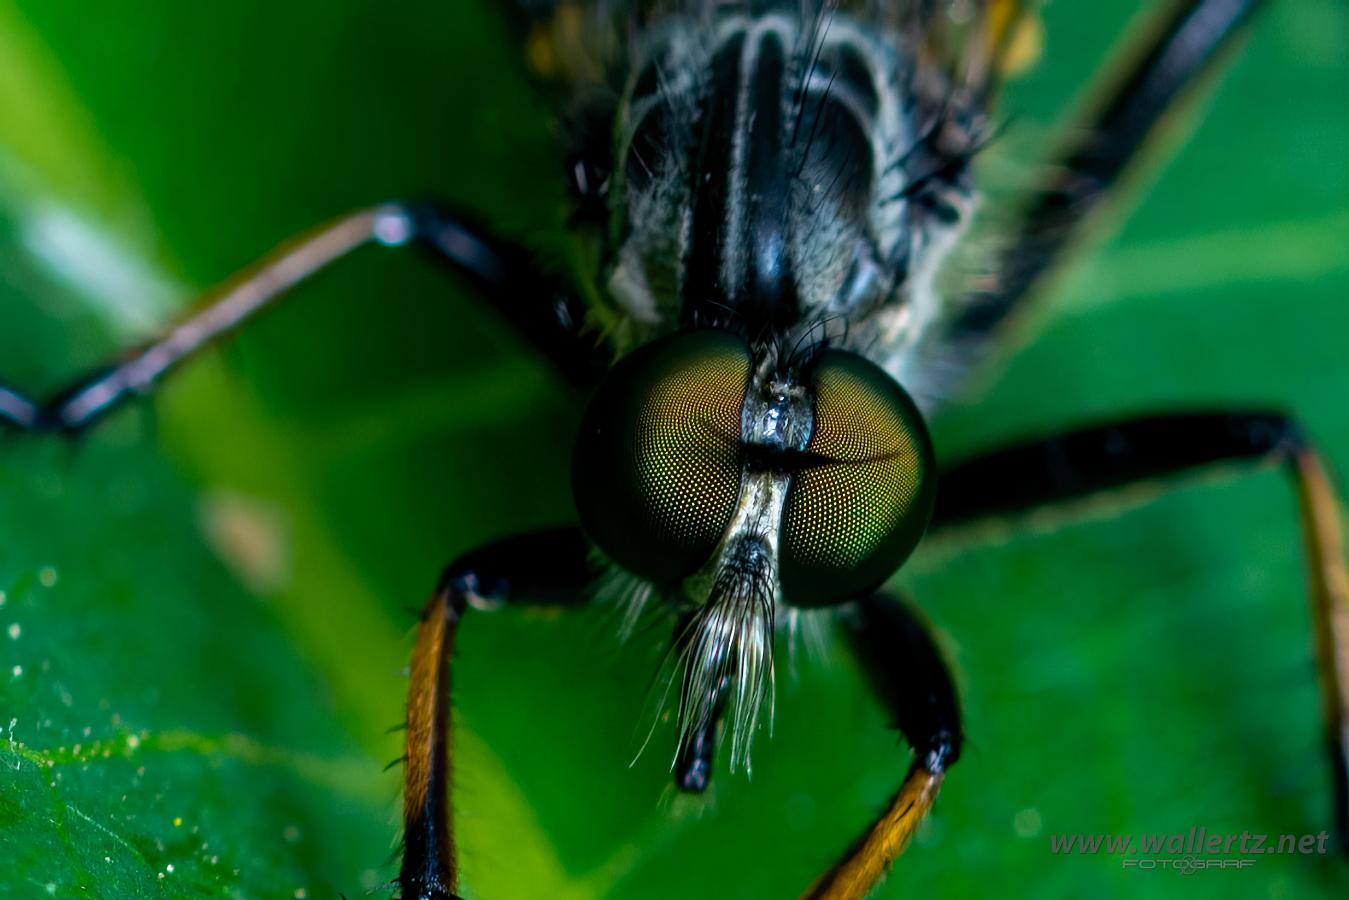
x=206, y=603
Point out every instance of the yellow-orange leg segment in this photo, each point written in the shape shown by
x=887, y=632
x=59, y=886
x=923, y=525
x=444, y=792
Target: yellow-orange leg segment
x=869, y=859
x=1323, y=536
x=428, y=848
x=545, y=568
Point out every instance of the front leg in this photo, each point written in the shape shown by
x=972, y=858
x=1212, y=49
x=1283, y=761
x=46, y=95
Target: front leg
x=1105, y=457
x=907, y=672
x=541, y=568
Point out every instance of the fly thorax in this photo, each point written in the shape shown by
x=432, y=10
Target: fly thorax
x=756, y=184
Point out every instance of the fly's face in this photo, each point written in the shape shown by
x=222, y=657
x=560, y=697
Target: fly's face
x=689, y=451
x=733, y=481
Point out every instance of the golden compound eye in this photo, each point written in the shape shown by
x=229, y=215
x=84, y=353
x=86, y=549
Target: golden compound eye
x=849, y=523
x=656, y=472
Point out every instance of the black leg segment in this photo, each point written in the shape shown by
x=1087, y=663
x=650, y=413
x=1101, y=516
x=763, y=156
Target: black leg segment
x=1113, y=455
x=1131, y=105
x=546, y=311
x=907, y=672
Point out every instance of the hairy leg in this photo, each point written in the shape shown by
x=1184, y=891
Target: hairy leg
x=540, y=568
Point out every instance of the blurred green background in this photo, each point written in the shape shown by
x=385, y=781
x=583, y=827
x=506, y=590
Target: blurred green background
x=205, y=605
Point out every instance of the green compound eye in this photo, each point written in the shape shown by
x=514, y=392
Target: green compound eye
x=656, y=472
x=849, y=523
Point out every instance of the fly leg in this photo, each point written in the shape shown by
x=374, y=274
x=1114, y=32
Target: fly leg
x=1130, y=108
x=547, y=568
x=907, y=672
x=1098, y=459
x=544, y=313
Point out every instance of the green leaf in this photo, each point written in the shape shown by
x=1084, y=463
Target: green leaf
x=161, y=737
x=207, y=601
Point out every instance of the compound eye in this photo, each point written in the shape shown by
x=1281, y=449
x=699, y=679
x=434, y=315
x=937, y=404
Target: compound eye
x=658, y=460
x=849, y=522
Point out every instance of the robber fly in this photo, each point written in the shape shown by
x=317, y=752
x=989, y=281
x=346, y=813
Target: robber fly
x=776, y=192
